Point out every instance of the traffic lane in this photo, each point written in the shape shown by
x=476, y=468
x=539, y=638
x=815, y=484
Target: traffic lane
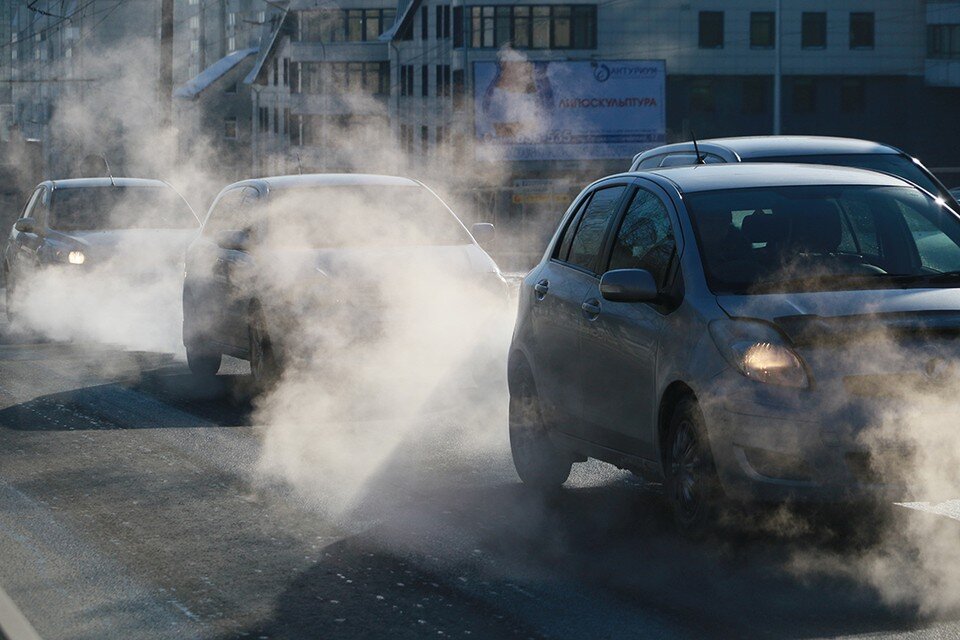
x=161, y=502
x=463, y=523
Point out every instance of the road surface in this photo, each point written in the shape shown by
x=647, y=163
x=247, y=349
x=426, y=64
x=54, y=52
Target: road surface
x=131, y=506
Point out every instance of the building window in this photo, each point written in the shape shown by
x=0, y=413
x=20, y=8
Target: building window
x=424, y=23
x=813, y=30
x=701, y=97
x=458, y=26
x=263, y=118
x=276, y=71
x=943, y=41
x=443, y=80
x=286, y=72
x=853, y=95
x=406, y=138
x=762, y=30
x=711, y=30
x=406, y=80
x=533, y=26
x=371, y=78
x=296, y=130
x=804, y=95
x=861, y=30
x=458, y=88
x=231, y=89
x=231, y=44
x=443, y=21
x=441, y=135
x=286, y=121
x=424, y=80
x=343, y=25
x=754, y=98
x=230, y=128
x=424, y=139
x=194, y=22
x=295, y=77
x=276, y=121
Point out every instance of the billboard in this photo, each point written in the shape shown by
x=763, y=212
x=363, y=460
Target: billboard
x=545, y=110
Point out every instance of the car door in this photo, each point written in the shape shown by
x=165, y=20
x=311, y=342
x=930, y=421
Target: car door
x=560, y=288
x=214, y=299
x=620, y=340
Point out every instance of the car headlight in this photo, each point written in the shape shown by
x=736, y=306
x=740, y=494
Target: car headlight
x=759, y=352
x=76, y=257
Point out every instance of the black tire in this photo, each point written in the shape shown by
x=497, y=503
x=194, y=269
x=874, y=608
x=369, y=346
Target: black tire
x=265, y=368
x=538, y=461
x=203, y=361
x=692, y=487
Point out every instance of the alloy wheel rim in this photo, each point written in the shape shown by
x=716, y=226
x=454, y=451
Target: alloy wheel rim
x=686, y=466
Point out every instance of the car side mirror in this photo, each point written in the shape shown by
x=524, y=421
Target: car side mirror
x=232, y=240
x=483, y=233
x=629, y=285
x=26, y=225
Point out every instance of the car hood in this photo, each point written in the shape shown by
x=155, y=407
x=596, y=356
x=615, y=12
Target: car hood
x=850, y=316
x=145, y=242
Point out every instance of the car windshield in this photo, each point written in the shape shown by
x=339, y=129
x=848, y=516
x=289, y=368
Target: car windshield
x=347, y=216
x=816, y=238
x=893, y=163
x=108, y=208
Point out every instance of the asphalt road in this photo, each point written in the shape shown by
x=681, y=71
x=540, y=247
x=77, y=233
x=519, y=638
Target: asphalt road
x=131, y=507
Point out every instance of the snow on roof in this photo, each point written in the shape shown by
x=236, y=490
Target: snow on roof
x=193, y=87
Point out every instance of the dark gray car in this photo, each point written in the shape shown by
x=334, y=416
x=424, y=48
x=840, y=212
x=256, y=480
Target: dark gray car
x=80, y=224
x=843, y=152
x=704, y=327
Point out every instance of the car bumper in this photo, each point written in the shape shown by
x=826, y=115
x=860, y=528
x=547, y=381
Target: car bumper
x=769, y=452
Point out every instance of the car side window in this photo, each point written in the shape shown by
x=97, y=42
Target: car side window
x=645, y=238
x=563, y=247
x=588, y=240
x=234, y=211
x=650, y=163
x=31, y=203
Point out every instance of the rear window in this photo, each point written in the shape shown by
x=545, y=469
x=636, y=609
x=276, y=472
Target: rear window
x=106, y=208
x=896, y=164
x=346, y=216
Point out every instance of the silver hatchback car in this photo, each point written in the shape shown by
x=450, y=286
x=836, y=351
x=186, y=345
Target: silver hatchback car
x=704, y=327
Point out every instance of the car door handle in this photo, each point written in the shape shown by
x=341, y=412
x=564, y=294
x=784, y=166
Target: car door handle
x=541, y=289
x=591, y=308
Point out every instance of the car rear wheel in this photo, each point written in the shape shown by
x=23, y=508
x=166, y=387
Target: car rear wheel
x=538, y=461
x=203, y=361
x=264, y=363
x=692, y=487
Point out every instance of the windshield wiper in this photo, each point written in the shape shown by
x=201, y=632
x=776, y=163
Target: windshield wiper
x=934, y=278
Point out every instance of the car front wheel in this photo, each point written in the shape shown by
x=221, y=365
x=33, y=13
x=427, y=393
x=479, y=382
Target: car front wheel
x=538, y=461
x=692, y=487
x=202, y=360
x=264, y=363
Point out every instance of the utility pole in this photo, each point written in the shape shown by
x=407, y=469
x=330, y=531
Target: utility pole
x=165, y=86
x=777, y=80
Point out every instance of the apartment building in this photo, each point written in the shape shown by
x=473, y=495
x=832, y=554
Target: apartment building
x=322, y=80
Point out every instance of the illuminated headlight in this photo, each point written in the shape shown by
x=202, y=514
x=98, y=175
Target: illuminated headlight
x=758, y=351
x=76, y=257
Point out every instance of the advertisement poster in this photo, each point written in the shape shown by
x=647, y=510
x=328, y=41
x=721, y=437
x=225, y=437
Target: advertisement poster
x=537, y=110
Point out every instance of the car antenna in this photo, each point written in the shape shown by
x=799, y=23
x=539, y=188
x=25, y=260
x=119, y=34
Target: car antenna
x=299, y=165
x=109, y=172
x=696, y=148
